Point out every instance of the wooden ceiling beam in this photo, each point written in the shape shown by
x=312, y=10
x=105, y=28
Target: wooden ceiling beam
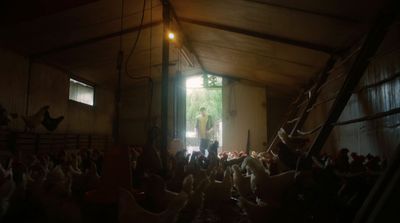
x=270, y=37
x=197, y=57
x=95, y=39
x=265, y=56
x=281, y=89
x=212, y=65
x=326, y=15
x=185, y=38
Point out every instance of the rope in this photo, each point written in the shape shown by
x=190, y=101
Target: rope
x=332, y=80
x=122, y=24
x=141, y=77
x=303, y=133
x=293, y=120
x=322, y=102
x=149, y=111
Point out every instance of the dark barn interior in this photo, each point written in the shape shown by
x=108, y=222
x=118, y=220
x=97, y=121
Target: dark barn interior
x=234, y=111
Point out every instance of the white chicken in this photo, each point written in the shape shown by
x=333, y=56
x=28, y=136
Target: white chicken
x=269, y=189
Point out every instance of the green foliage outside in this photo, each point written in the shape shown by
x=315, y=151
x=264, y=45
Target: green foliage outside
x=210, y=98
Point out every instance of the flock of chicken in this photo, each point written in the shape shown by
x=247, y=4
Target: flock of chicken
x=41, y=117
x=43, y=188
x=225, y=187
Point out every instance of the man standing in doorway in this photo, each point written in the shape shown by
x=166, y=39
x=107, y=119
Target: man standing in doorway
x=204, y=126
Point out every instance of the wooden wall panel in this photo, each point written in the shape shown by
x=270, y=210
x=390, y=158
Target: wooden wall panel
x=380, y=136
x=135, y=102
x=249, y=104
x=277, y=108
x=50, y=86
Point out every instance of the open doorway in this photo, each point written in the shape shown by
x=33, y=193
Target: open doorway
x=203, y=91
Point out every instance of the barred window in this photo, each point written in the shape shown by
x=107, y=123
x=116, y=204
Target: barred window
x=81, y=92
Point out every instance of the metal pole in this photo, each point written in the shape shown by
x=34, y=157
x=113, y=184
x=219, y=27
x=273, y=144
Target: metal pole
x=120, y=59
x=164, y=85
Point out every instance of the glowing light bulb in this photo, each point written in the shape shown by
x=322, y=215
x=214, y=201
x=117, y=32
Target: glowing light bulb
x=171, y=36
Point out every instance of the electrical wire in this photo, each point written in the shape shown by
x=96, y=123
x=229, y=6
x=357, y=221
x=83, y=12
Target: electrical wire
x=141, y=77
x=151, y=37
x=134, y=47
x=122, y=25
x=149, y=111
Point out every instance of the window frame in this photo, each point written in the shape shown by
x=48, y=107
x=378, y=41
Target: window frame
x=84, y=81
x=207, y=81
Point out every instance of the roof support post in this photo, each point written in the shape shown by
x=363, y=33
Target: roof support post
x=118, y=90
x=164, y=84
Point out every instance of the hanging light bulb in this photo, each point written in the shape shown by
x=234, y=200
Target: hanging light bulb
x=171, y=36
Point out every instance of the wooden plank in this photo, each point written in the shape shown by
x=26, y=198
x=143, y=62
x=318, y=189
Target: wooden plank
x=98, y=142
x=26, y=142
x=31, y=143
x=297, y=9
x=83, y=142
x=45, y=142
x=70, y=141
x=58, y=142
x=95, y=39
x=266, y=36
x=13, y=13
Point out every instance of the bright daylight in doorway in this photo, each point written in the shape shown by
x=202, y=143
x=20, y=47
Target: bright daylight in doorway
x=203, y=112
